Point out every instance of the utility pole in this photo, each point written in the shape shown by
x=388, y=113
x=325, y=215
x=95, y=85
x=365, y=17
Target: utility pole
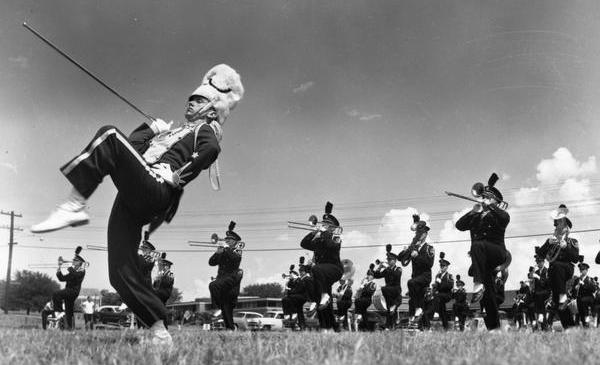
x=10, y=251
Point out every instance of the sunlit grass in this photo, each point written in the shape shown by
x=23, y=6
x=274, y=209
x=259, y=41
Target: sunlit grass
x=193, y=346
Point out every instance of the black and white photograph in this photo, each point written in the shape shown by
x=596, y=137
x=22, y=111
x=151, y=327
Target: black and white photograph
x=299, y=182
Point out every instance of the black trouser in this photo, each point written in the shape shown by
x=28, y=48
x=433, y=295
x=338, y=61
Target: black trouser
x=294, y=303
x=224, y=292
x=360, y=307
x=324, y=276
x=428, y=312
x=89, y=321
x=45, y=314
x=142, y=196
x=559, y=273
x=441, y=300
x=417, y=286
x=485, y=257
x=342, y=310
x=540, y=297
x=393, y=297
x=460, y=311
x=583, y=307
x=69, y=296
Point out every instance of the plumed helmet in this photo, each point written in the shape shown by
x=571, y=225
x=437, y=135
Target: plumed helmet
x=443, y=261
x=231, y=234
x=371, y=271
x=222, y=86
x=77, y=252
x=388, y=252
x=561, y=213
x=328, y=217
x=418, y=225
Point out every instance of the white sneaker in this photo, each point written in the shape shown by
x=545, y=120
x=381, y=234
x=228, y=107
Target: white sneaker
x=162, y=338
x=65, y=215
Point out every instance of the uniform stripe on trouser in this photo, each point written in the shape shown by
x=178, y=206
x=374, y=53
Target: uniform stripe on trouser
x=97, y=142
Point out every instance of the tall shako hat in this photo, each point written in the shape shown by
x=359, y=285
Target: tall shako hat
x=388, y=252
x=164, y=261
x=537, y=257
x=328, y=217
x=371, y=271
x=302, y=267
x=443, y=262
x=77, y=252
x=582, y=265
x=561, y=213
x=222, y=86
x=231, y=234
x=418, y=225
x=146, y=244
x=292, y=271
x=459, y=282
x=490, y=188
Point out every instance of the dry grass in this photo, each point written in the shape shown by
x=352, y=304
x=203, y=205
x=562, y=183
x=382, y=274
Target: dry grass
x=193, y=346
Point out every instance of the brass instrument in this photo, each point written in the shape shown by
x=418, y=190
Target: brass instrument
x=479, y=193
x=315, y=225
x=219, y=242
x=555, y=243
x=62, y=264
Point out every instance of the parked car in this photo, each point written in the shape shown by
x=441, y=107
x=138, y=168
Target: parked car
x=272, y=321
x=241, y=320
x=112, y=314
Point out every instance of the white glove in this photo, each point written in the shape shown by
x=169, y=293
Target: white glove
x=536, y=276
x=164, y=170
x=159, y=126
x=414, y=254
x=438, y=280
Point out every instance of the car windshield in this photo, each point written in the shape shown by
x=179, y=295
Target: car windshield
x=251, y=315
x=270, y=315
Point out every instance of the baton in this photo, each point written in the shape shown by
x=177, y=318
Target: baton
x=82, y=68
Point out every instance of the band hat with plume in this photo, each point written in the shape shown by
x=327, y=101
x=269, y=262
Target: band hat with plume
x=231, y=234
x=443, y=261
x=292, y=271
x=490, y=188
x=418, y=225
x=222, y=86
x=459, y=282
x=371, y=271
x=77, y=252
x=164, y=261
x=302, y=266
x=328, y=217
x=146, y=244
x=583, y=266
x=561, y=213
x=388, y=252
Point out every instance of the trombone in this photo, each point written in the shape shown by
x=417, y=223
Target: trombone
x=62, y=264
x=216, y=240
x=478, y=192
x=314, y=225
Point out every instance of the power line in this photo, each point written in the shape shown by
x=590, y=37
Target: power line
x=11, y=243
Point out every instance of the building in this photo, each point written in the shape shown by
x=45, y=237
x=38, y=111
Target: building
x=253, y=304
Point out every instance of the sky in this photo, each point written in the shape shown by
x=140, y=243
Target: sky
x=376, y=106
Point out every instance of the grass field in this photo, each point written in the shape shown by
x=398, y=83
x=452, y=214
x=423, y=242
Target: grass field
x=193, y=346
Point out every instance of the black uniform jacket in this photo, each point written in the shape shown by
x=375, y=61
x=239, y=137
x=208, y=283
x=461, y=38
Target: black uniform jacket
x=299, y=287
x=392, y=276
x=423, y=262
x=200, y=156
x=446, y=284
x=485, y=226
x=146, y=269
x=460, y=295
x=541, y=285
x=587, y=287
x=228, y=262
x=568, y=254
x=326, y=250
x=367, y=290
x=73, y=279
x=163, y=285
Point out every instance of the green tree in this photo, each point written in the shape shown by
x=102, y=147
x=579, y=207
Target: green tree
x=32, y=290
x=268, y=290
x=176, y=296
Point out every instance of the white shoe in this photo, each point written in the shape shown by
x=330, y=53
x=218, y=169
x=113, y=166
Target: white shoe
x=325, y=299
x=312, y=307
x=65, y=215
x=162, y=338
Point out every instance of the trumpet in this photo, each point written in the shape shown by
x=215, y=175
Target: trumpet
x=288, y=276
x=314, y=225
x=221, y=242
x=62, y=264
x=478, y=192
x=380, y=265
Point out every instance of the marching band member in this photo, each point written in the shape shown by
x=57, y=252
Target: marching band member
x=363, y=299
x=487, y=223
x=541, y=290
x=460, y=308
x=150, y=170
x=562, y=252
x=47, y=311
x=343, y=293
x=585, y=289
x=73, y=279
x=429, y=308
x=297, y=294
x=327, y=268
x=392, y=291
x=442, y=287
x=422, y=256
x=520, y=305
x=225, y=289
x=163, y=284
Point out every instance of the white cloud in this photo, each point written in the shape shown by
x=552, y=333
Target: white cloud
x=364, y=117
x=10, y=166
x=562, y=178
x=368, y=117
x=302, y=88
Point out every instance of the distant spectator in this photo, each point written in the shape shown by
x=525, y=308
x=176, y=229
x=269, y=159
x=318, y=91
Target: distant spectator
x=88, y=313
